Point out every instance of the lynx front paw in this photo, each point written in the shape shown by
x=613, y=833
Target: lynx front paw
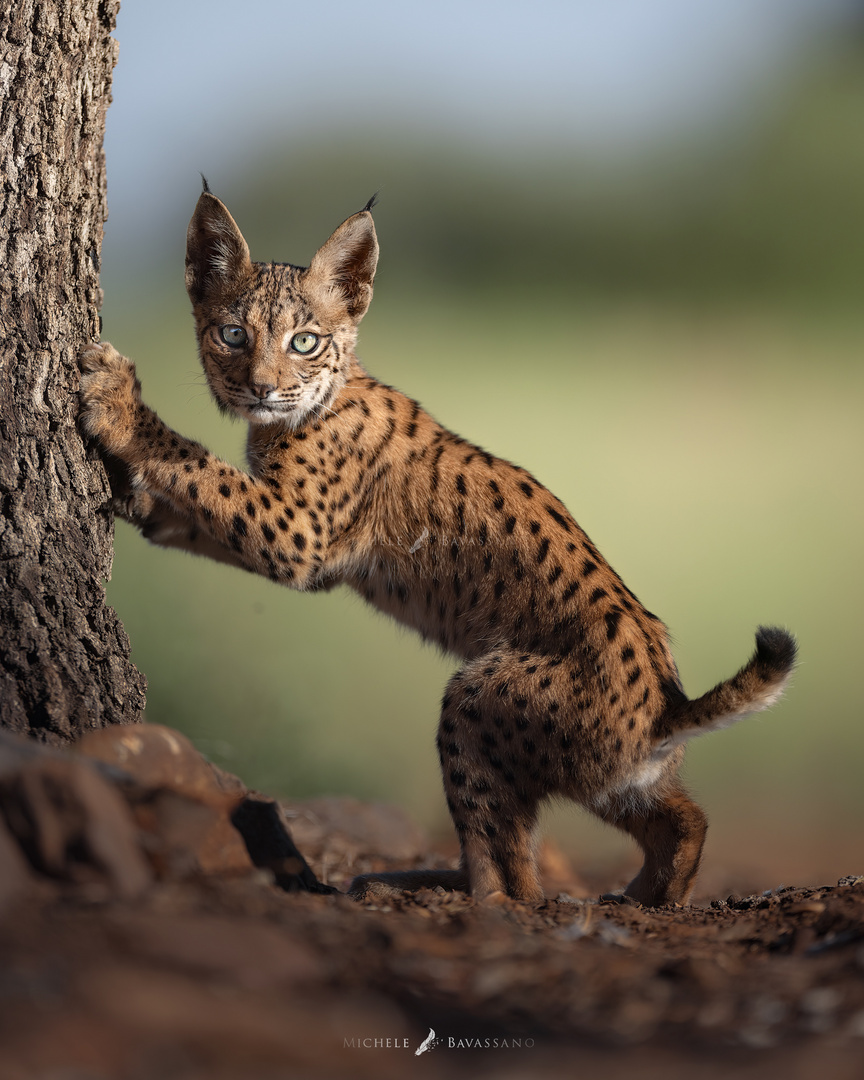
x=136, y=507
x=157, y=522
x=110, y=396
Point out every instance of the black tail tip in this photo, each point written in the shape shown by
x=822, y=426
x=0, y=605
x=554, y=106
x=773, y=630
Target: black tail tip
x=776, y=648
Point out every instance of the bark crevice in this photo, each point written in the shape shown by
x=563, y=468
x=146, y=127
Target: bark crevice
x=64, y=656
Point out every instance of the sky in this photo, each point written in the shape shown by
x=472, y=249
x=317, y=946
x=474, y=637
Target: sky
x=201, y=85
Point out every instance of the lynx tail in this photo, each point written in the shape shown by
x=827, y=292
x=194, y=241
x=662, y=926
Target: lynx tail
x=757, y=686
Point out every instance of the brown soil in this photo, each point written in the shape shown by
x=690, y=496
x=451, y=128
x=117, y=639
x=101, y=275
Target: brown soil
x=198, y=973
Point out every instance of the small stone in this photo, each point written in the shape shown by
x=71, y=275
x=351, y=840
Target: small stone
x=494, y=899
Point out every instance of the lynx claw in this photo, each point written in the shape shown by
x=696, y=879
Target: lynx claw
x=136, y=507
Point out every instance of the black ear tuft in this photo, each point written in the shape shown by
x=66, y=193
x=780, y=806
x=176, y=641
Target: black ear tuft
x=206, y=186
x=372, y=202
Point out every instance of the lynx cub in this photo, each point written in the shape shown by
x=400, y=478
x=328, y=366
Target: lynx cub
x=567, y=686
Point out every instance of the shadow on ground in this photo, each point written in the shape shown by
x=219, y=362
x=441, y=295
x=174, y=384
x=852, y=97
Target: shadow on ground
x=156, y=921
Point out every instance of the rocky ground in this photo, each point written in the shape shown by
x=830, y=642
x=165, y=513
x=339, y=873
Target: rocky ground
x=150, y=927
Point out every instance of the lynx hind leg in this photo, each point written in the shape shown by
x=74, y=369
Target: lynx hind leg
x=671, y=834
x=493, y=804
x=490, y=792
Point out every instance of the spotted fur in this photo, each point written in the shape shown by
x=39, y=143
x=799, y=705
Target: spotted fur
x=568, y=686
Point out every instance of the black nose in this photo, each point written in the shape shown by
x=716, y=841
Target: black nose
x=261, y=390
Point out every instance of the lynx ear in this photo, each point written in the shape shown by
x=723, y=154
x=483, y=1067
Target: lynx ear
x=343, y=269
x=217, y=256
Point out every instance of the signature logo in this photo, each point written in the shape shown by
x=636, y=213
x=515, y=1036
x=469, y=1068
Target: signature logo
x=449, y=1042
x=429, y=1043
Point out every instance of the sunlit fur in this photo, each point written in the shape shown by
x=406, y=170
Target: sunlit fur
x=567, y=687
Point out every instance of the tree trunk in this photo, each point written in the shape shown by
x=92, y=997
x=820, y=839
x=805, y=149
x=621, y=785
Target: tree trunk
x=64, y=656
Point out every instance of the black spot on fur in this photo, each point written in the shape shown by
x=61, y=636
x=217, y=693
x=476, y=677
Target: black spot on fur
x=612, y=618
x=555, y=515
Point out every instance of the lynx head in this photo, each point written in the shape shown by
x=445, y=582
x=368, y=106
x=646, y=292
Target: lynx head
x=276, y=340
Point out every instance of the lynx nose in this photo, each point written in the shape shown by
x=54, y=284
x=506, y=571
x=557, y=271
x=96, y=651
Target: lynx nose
x=262, y=390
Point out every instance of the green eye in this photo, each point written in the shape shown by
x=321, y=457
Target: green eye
x=235, y=336
x=304, y=342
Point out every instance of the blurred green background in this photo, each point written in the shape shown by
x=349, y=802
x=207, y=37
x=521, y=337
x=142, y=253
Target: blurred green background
x=665, y=327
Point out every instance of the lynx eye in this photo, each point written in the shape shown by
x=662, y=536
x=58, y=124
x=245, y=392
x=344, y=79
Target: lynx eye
x=235, y=336
x=304, y=342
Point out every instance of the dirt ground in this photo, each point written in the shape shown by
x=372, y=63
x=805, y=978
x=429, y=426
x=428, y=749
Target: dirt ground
x=199, y=970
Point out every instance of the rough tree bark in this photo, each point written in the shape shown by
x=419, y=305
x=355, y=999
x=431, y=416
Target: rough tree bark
x=64, y=656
